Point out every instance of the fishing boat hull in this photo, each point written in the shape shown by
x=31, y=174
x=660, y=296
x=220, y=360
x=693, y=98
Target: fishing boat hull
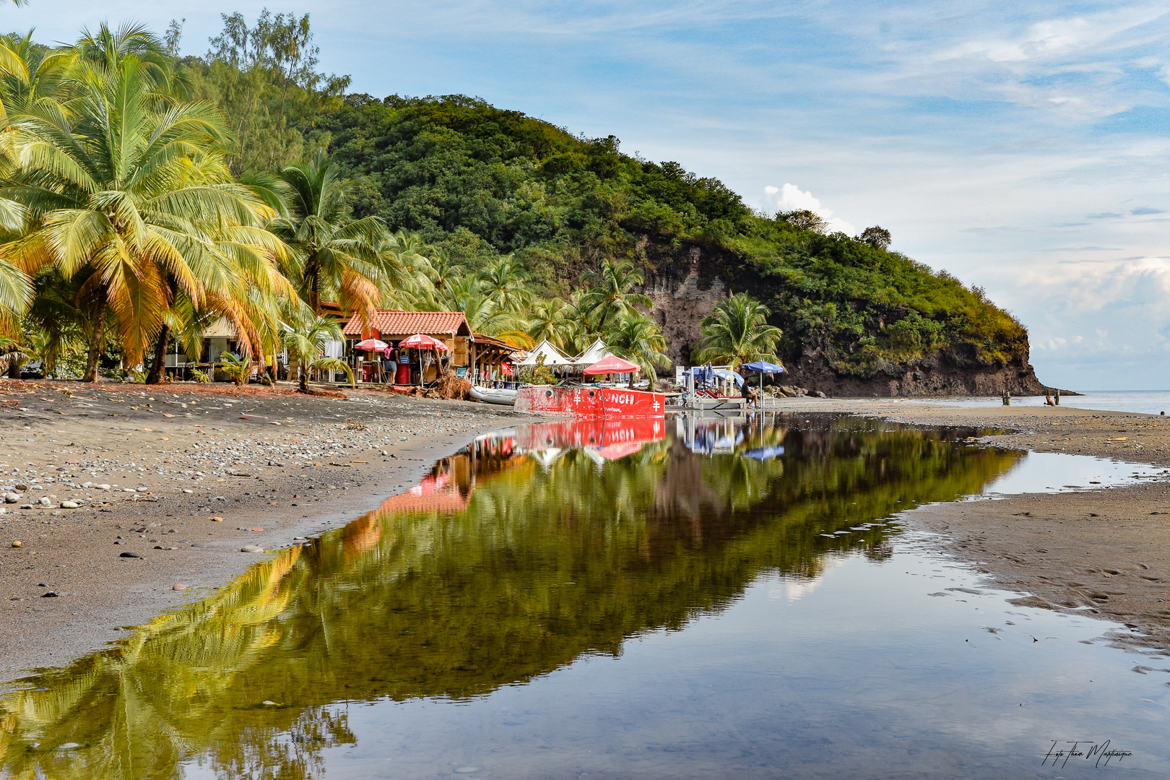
x=717, y=403
x=603, y=402
x=494, y=395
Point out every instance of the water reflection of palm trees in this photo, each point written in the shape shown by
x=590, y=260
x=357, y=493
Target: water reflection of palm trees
x=492, y=571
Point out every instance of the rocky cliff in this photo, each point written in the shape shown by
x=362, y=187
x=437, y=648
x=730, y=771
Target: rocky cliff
x=686, y=282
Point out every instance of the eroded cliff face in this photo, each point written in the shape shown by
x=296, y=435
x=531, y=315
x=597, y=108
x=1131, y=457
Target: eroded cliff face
x=683, y=294
x=932, y=378
x=684, y=284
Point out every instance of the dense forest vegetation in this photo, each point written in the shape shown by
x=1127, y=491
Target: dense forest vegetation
x=513, y=220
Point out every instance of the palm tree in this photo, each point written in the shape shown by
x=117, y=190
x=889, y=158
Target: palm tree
x=737, y=331
x=31, y=76
x=407, y=268
x=551, y=319
x=137, y=195
x=334, y=258
x=305, y=343
x=638, y=338
x=15, y=292
x=609, y=293
x=505, y=282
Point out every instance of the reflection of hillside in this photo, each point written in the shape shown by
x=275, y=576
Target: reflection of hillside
x=495, y=570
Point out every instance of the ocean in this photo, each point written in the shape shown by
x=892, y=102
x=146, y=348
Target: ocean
x=1143, y=401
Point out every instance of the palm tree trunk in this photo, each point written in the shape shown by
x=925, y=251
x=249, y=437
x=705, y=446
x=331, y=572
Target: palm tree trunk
x=315, y=293
x=95, y=340
x=160, y=356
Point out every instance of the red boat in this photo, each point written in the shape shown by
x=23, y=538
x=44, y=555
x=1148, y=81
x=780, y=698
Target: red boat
x=586, y=401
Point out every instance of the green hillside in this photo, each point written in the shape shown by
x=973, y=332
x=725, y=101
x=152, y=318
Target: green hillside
x=477, y=181
x=527, y=228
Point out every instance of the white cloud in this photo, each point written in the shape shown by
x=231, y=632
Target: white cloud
x=792, y=198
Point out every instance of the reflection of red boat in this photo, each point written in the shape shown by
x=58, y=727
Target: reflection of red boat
x=586, y=401
x=610, y=438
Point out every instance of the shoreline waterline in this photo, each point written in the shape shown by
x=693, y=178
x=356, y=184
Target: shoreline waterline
x=77, y=553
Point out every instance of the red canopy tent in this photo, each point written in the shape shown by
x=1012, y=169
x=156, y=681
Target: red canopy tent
x=611, y=365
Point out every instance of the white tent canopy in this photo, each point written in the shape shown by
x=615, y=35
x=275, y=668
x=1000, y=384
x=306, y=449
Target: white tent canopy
x=552, y=356
x=593, y=353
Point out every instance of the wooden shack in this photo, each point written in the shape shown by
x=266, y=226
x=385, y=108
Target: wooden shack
x=393, y=325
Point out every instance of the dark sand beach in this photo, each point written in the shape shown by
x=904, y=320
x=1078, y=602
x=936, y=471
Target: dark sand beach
x=151, y=470
x=151, y=467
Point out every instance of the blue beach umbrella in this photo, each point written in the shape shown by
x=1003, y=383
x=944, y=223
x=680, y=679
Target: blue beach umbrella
x=724, y=373
x=765, y=453
x=764, y=367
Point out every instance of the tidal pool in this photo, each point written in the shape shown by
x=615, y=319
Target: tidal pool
x=717, y=599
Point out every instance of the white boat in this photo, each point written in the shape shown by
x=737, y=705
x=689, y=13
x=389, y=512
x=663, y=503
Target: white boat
x=716, y=403
x=494, y=395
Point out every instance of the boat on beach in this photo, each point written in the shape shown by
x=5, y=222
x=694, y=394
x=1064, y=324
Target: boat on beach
x=716, y=403
x=503, y=396
x=589, y=401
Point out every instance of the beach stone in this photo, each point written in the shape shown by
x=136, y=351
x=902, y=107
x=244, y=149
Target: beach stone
x=45, y=501
x=11, y=498
x=178, y=586
x=129, y=555
x=49, y=595
x=69, y=505
x=17, y=543
x=252, y=548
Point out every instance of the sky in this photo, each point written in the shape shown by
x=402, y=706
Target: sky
x=1022, y=148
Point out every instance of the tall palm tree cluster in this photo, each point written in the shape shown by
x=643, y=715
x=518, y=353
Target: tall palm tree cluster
x=498, y=301
x=123, y=233
x=122, y=228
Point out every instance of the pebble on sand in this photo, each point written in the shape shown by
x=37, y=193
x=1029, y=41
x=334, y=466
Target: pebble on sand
x=252, y=548
x=217, y=519
x=18, y=543
x=178, y=586
x=69, y=505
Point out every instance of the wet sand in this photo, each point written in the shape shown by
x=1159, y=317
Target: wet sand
x=1097, y=552
x=150, y=469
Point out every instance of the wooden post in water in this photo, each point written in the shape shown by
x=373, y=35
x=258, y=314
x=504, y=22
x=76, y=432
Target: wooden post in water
x=1057, y=396
x=1007, y=398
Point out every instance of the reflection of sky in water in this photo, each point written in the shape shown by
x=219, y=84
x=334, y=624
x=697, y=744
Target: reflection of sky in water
x=882, y=670
x=1052, y=472
x=654, y=613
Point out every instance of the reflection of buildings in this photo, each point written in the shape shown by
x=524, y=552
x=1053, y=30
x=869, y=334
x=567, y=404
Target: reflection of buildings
x=751, y=437
x=601, y=439
x=448, y=487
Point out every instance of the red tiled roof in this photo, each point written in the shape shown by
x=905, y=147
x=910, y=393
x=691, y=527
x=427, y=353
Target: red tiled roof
x=394, y=323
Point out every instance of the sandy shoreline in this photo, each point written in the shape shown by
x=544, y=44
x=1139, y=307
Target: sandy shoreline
x=1097, y=552
x=151, y=467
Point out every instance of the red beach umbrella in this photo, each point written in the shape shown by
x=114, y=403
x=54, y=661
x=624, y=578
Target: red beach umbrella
x=611, y=365
x=422, y=341
x=371, y=345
